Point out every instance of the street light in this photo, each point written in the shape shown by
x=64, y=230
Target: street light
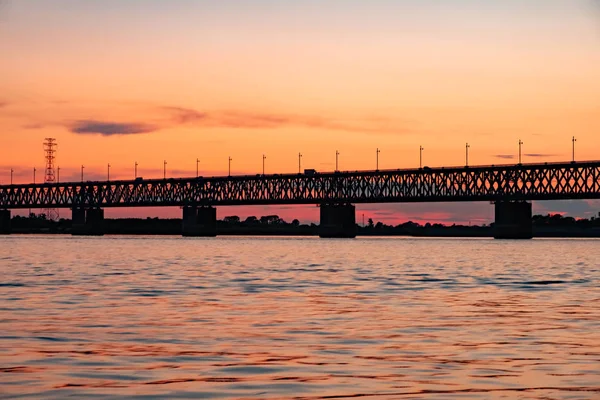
x=165, y=169
x=377, y=160
x=467, y=146
x=58, y=175
x=11, y=175
x=82, y=167
x=299, y=162
x=229, y=171
x=574, y=140
x=421, y=156
x=337, y=154
x=520, y=144
x=108, y=173
x=264, y=158
x=135, y=170
x=197, y=163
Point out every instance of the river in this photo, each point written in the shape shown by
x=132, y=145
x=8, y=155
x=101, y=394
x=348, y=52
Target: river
x=306, y=318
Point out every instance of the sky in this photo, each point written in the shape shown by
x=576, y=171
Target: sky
x=146, y=81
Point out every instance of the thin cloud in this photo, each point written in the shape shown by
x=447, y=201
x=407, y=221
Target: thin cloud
x=533, y=155
x=256, y=120
x=540, y=155
x=109, y=128
x=181, y=115
x=168, y=117
x=236, y=119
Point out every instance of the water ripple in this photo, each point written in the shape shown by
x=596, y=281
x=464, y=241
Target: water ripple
x=301, y=318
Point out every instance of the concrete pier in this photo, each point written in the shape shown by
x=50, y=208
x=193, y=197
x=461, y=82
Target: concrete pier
x=5, y=222
x=87, y=222
x=337, y=221
x=199, y=221
x=77, y=220
x=513, y=220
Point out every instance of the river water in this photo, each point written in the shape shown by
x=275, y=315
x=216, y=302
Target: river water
x=277, y=318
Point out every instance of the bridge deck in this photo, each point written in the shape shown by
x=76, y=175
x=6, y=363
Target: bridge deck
x=542, y=181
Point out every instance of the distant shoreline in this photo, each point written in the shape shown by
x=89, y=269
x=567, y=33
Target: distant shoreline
x=573, y=235
x=477, y=232
x=543, y=226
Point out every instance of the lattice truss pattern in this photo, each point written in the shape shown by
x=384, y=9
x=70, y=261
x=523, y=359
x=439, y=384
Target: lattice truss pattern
x=493, y=183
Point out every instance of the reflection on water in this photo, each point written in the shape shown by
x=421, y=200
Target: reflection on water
x=299, y=317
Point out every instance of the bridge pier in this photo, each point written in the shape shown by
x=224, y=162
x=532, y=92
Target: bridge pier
x=199, y=221
x=337, y=221
x=5, y=222
x=87, y=222
x=513, y=220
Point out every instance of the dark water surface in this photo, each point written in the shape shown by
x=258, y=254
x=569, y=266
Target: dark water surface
x=254, y=318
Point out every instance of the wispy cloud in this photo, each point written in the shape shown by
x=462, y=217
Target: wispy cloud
x=533, y=155
x=181, y=115
x=109, y=128
x=262, y=120
x=505, y=156
x=540, y=155
x=86, y=119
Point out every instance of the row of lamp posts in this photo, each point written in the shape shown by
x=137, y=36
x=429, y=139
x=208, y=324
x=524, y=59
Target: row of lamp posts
x=264, y=157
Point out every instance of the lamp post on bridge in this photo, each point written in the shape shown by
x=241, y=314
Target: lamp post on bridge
x=135, y=170
x=421, y=148
x=165, y=169
x=467, y=146
x=82, y=167
x=337, y=154
x=229, y=170
x=58, y=174
x=108, y=173
x=574, y=140
x=520, y=145
x=299, y=162
x=197, y=163
x=377, y=159
x=264, y=158
x=11, y=175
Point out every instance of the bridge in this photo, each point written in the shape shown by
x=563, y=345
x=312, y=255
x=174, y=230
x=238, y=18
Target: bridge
x=509, y=187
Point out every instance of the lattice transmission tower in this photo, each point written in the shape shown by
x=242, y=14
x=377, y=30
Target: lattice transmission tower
x=50, y=176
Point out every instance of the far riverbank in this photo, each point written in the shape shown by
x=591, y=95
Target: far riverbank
x=543, y=226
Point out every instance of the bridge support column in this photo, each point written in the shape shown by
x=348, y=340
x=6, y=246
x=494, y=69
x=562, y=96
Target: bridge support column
x=87, y=222
x=513, y=220
x=199, y=221
x=337, y=221
x=5, y=222
x=77, y=221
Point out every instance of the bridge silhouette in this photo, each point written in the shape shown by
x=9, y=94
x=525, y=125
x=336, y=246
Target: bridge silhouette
x=510, y=187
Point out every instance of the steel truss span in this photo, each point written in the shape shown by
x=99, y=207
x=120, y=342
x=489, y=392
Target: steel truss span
x=579, y=180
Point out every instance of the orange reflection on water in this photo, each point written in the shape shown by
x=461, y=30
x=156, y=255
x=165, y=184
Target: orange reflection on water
x=299, y=318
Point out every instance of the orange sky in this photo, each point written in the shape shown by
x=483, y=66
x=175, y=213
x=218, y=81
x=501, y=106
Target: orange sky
x=151, y=81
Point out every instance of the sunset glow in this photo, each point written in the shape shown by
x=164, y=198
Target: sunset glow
x=145, y=81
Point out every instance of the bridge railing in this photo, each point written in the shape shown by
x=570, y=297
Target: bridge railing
x=478, y=183
x=423, y=170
